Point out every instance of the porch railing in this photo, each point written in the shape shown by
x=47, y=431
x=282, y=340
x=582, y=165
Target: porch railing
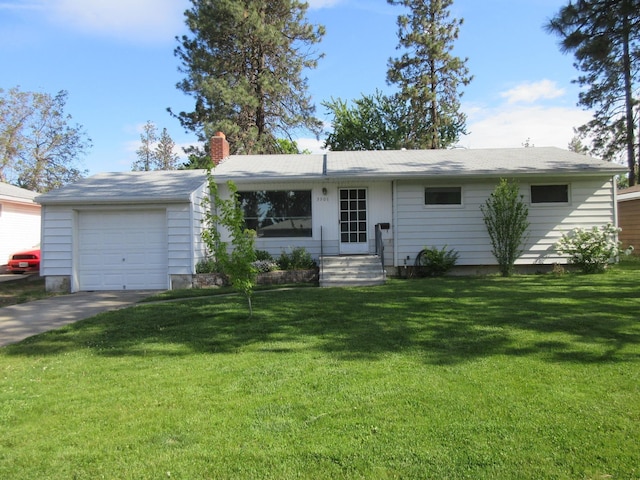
x=379, y=244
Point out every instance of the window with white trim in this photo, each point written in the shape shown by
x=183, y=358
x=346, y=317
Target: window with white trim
x=554, y=193
x=442, y=196
x=278, y=213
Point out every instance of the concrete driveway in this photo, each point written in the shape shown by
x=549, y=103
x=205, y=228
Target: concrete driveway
x=18, y=322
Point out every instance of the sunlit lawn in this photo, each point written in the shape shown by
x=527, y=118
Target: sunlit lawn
x=527, y=377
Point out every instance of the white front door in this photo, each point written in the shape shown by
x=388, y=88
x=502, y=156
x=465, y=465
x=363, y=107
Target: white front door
x=354, y=238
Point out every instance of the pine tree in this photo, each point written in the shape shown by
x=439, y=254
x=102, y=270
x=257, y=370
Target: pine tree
x=243, y=63
x=165, y=156
x=428, y=75
x=604, y=36
x=146, y=153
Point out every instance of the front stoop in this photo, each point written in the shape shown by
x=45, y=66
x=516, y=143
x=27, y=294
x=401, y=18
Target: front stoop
x=351, y=271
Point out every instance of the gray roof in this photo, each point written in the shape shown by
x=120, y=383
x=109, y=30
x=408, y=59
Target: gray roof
x=389, y=164
x=167, y=186
x=16, y=194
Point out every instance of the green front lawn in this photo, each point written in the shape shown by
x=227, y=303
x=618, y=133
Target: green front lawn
x=526, y=377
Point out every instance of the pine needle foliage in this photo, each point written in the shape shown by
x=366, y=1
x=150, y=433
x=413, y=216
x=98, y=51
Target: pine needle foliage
x=243, y=62
x=428, y=74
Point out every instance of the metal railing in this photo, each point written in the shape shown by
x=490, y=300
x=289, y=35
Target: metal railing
x=379, y=244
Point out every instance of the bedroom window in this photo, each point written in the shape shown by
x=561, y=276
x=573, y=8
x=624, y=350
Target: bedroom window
x=443, y=196
x=550, y=193
x=278, y=213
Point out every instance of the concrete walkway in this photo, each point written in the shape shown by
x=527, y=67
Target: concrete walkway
x=18, y=322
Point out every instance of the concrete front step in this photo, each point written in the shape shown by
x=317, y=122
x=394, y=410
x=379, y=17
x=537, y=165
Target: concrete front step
x=351, y=271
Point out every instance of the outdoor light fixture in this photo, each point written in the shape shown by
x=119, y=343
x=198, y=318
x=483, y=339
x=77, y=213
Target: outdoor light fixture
x=324, y=190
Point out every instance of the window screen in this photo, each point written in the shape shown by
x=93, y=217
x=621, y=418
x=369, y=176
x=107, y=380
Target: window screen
x=443, y=196
x=549, y=193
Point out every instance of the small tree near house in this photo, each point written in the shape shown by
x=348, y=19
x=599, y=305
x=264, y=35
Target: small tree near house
x=505, y=216
x=237, y=264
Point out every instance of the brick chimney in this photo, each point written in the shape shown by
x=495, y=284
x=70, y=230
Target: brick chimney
x=219, y=148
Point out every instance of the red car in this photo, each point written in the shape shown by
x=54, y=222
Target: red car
x=27, y=261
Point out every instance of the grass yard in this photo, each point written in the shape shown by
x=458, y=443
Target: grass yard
x=22, y=290
x=528, y=377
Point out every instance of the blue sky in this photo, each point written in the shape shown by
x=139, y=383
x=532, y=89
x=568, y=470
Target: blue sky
x=115, y=58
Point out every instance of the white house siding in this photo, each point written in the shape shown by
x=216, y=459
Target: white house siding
x=19, y=228
x=58, y=226
x=462, y=228
x=184, y=227
x=325, y=238
x=198, y=208
x=60, y=239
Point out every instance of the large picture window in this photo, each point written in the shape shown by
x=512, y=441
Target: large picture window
x=550, y=193
x=443, y=196
x=278, y=213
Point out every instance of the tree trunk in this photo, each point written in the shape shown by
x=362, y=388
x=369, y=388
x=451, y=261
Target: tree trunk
x=628, y=102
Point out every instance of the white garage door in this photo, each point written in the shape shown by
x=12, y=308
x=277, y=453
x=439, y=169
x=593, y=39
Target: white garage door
x=122, y=250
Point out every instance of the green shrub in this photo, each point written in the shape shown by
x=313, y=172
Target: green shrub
x=591, y=250
x=433, y=262
x=207, y=265
x=298, y=259
x=505, y=216
x=264, y=255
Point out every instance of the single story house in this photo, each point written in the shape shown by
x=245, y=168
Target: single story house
x=19, y=221
x=141, y=230
x=629, y=217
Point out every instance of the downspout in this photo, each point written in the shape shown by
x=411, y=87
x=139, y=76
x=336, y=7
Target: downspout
x=394, y=222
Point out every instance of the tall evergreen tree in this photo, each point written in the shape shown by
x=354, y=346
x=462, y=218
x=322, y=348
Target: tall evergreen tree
x=604, y=36
x=243, y=63
x=165, y=156
x=428, y=74
x=146, y=154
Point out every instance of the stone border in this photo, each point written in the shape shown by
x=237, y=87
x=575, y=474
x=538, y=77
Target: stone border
x=278, y=277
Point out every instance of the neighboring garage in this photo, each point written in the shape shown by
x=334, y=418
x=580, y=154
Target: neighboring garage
x=123, y=231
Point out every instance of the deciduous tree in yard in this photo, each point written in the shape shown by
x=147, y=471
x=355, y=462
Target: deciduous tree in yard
x=238, y=262
x=40, y=149
x=372, y=122
x=428, y=74
x=505, y=216
x=604, y=36
x=244, y=63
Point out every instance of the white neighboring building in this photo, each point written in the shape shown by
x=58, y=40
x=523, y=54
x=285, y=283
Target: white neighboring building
x=19, y=221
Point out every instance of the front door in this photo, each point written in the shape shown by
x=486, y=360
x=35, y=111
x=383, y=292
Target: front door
x=353, y=221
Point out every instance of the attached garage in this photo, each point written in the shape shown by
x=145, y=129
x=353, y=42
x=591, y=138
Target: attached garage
x=124, y=231
x=122, y=250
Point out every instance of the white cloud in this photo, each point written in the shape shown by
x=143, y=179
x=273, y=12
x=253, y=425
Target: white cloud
x=137, y=20
x=511, y=126
x=531, y=92
x=317, y=4
x=311, y=144
x=19, y=6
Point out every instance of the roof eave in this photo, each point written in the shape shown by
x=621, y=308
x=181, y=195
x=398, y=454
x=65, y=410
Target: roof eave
x=120, y=201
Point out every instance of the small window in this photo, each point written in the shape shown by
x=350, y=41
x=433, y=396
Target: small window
x=549, y=193
x=443, y=196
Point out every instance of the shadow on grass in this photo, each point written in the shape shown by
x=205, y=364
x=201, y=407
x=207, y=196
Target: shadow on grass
x=446, y=321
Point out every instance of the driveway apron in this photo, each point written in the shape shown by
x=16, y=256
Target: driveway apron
x=18, y=322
